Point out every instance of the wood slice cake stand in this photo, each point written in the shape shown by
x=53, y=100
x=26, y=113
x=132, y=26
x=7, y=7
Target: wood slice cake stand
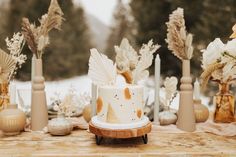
x=100, y=133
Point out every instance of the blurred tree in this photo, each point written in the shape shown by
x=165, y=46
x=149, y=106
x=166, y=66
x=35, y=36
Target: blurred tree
x=3, y=22
x=150, y=16
x=122, y=26
x=206, y=19
x=68, y=52
x=217, y=20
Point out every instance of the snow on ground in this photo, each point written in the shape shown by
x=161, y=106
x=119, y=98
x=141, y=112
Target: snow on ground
x=83, y=84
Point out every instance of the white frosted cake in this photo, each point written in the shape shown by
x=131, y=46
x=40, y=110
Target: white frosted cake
x=120, y=104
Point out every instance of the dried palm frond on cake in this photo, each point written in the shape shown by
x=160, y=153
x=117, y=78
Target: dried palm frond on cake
x=130, y=64
x=102, y=70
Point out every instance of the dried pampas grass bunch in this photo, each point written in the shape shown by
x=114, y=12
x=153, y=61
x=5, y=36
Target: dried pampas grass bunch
x=37, y=38
x=53, y=19
x=29, y=30
x=207, y=73
x=179, y=41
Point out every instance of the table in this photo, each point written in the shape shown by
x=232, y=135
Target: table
x=82, y=143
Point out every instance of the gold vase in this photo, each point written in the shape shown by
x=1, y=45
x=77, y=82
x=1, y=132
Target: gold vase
x=224, y=105
x=201, y=111
x=4, y=97
x=12, y=120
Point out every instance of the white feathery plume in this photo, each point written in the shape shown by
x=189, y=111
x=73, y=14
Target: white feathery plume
x=126, y=56
x=144, y=62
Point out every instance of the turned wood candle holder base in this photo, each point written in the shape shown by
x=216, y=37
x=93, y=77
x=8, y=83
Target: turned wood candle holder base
x=101, y=133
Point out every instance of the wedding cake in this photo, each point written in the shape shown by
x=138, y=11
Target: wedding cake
x=121, y=103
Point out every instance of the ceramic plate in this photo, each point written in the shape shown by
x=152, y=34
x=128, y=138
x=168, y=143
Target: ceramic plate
x=113, y=126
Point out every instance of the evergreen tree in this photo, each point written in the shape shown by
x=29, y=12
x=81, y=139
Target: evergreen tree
x=3, y=23
x=150, y=16
x=122, y=27
x=217, y=20
x=68, y=52
x=206, y=20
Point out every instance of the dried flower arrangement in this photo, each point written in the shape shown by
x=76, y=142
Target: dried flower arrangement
x=72, y=104
x=168, y=116
x=170, y=88
x=37, y=37
x=132, y=66
x=219, y=62
x=12, y=61
x=179, y=41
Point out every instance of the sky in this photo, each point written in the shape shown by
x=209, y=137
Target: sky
x=102, y=9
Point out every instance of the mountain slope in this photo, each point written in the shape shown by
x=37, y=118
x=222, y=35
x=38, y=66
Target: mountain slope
x=99, y=31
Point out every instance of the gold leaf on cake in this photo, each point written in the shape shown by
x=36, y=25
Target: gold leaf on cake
x=99, y=104
x=139, y=113
x=111, y=115
x=127, y=94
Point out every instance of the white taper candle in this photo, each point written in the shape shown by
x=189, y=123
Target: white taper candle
x=157, y=88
